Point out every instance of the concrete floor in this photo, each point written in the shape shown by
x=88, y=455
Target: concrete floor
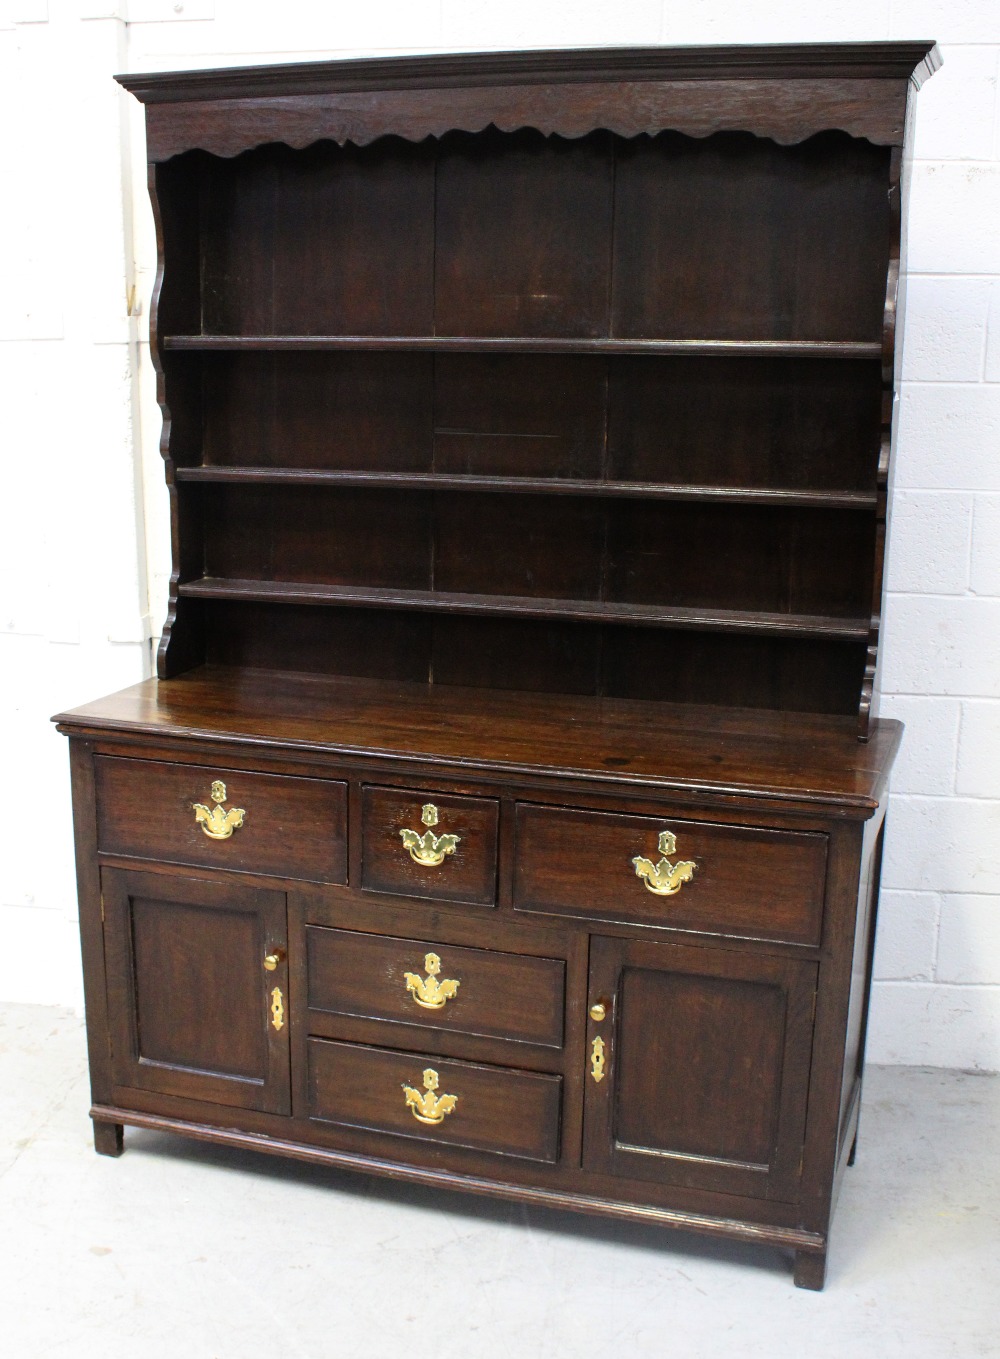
x=179, y=1249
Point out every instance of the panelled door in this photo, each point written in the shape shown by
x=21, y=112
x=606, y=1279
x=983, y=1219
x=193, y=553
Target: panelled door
x=198, y=989
x=698, y=1066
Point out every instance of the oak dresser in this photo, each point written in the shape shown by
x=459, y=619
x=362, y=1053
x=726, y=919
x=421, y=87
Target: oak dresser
x=508, y=809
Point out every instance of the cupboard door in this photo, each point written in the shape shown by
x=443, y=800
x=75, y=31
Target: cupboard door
x=198, y=989
x=701, y=1080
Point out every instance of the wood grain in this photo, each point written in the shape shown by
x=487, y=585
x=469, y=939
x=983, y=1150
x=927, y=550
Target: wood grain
x=513, y=1113
x=292, y=827
x=768, y=885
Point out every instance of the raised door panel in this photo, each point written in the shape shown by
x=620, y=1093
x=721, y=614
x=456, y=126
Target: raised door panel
x=698, y=1072
x=195, y=1010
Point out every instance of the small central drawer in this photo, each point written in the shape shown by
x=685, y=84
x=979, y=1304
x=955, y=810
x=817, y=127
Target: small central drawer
x=417, y=981
x=434, y=845
x=461, y=1104
x=687, y=875
x=223, y=818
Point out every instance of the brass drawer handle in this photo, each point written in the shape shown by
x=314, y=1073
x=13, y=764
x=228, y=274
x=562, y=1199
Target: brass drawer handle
x=429, y=1107
x=428, y=991
x=217, y=824
x=429, y=849
x=664, y=878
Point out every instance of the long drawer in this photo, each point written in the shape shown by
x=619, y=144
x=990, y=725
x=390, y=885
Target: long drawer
x=425, y=982
x=486, y=1108
x=719, y=879
x=259, y=823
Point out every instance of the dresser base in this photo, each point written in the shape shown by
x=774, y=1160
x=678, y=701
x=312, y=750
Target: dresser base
x=809, y=1247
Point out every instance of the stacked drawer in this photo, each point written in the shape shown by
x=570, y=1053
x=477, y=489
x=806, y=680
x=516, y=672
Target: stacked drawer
x=442, y=850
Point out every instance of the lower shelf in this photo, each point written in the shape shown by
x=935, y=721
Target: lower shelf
x=523, y=606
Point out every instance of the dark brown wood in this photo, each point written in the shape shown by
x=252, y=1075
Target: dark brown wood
x=914, y=61
x=697, y=202
x=444, y=481
x=469, y=874
x=109, y=1138
x=496, y=994
x=720, y=757
x=192, y=1124
x=292, y=827
x=192, y=1008
x=786, y=110
x=513, y=1113
x=581, y=864
x=591, y=611
x=91, y=916
x=706, y=1067
x=810, y=1269
x=528, y=344
x=527, y=436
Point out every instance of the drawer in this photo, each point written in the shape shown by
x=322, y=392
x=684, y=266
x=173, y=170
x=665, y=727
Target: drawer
x=456, y=859
x=460, y=1104
x=291, y=827
x=746, y=882
x=419, y=981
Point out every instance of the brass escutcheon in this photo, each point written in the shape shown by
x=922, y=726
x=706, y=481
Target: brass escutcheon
x=277, y=1008
x=597, y=1059
x=429, y=1107
x=664, y=878
x=217, y=824
x=429, y=849
x=428, y=991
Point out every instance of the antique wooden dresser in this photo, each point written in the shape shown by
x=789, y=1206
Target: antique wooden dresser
x=508, y=811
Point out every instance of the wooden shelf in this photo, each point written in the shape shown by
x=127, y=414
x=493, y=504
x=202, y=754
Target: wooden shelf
x=525, y=606
x=531, y=344
x=444, y=481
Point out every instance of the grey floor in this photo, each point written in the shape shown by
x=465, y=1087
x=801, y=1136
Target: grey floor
x=179, y=1249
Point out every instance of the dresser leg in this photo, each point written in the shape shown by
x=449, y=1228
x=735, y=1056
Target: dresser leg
x=810, y=1269
x=109, y=1138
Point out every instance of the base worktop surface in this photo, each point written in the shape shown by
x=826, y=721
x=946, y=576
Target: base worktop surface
x=742, y=752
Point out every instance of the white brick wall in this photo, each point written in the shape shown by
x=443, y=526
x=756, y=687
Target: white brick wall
x=71, y=614
x=937, y=997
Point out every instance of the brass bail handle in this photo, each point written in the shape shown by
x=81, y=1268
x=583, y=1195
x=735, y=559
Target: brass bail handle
x=216, y=823
x=429, y=992
x=664, y=879
x=427, y=1106
x=429, y=850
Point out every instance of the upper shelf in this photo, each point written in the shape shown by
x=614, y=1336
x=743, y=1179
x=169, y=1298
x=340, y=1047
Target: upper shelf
x=471, y=344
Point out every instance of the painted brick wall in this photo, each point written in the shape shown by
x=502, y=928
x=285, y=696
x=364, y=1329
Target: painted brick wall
x=86, y=505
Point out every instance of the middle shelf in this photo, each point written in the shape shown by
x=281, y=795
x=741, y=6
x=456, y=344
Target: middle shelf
x=446, y=481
